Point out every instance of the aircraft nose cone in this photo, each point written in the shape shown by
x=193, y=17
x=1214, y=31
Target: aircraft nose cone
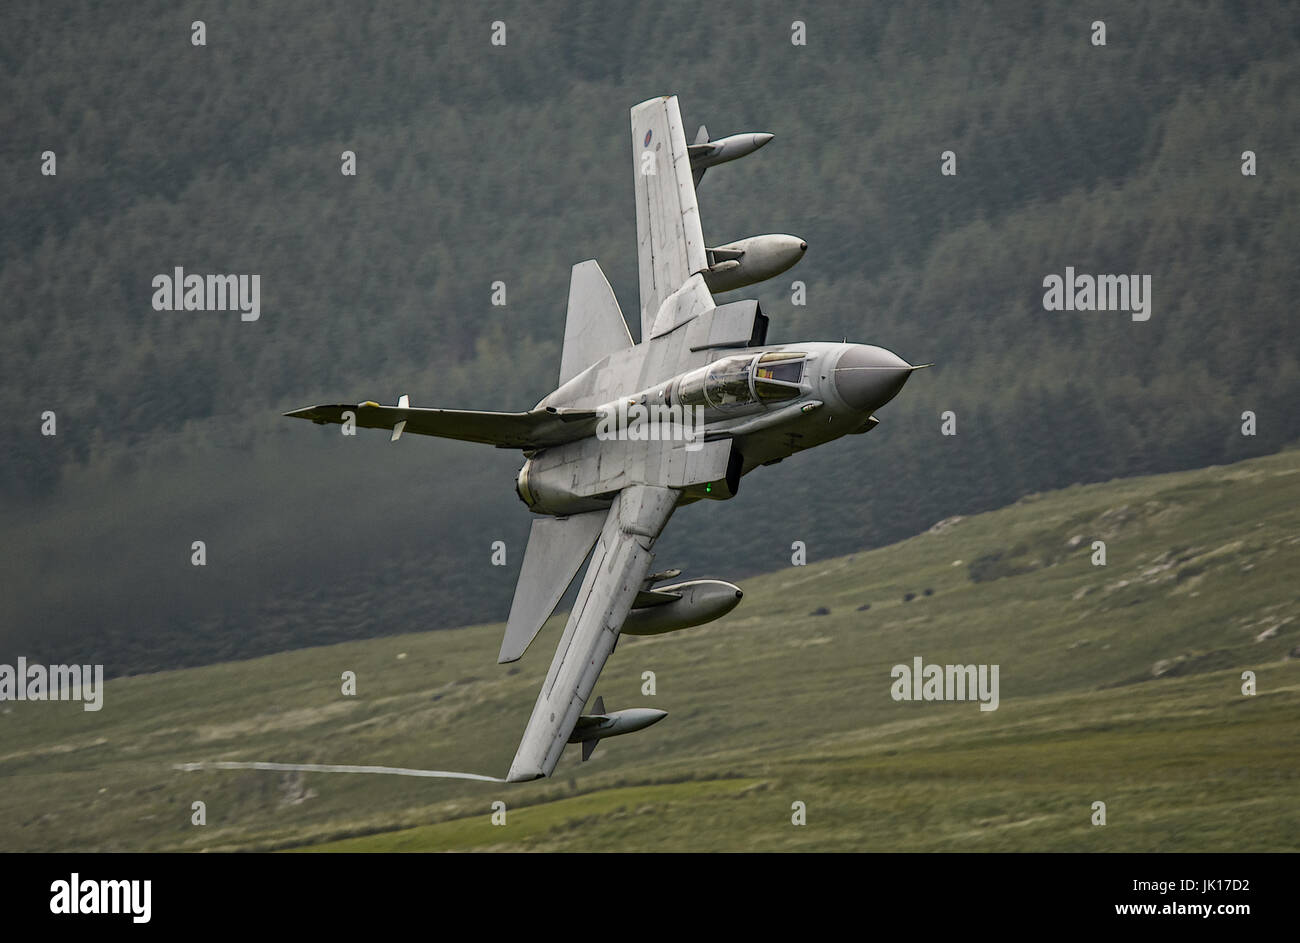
x=867, y=378
x=803, y=246
x=761, y=138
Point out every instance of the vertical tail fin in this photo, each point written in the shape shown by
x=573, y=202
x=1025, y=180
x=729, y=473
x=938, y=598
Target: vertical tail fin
x=595, y=327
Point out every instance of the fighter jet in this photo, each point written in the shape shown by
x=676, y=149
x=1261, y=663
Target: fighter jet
x=635, y=430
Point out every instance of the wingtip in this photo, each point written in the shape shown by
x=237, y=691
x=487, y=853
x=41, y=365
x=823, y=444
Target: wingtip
x=523, y=774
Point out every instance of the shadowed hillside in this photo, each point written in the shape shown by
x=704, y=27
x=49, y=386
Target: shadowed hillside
x=481, y=163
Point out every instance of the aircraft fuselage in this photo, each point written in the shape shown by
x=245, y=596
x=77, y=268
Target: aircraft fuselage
x=771, y=401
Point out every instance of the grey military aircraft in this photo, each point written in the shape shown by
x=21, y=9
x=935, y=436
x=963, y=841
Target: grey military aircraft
x=635, y=430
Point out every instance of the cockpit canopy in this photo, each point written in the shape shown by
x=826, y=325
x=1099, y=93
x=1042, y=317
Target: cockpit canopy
x=732, y=382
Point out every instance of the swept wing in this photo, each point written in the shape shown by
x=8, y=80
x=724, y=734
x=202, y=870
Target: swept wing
x=531, y=430
x=669, y=240
x=618, y=568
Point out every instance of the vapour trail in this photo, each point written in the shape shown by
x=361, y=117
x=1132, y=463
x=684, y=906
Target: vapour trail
x=322, y=768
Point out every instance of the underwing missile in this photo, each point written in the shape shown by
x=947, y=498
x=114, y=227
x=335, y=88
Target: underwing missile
x=705, y=153
x=596, y=726
x=751, y=260
x=681, y=606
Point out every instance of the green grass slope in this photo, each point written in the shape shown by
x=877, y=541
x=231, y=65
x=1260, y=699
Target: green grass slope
x=1118, y=684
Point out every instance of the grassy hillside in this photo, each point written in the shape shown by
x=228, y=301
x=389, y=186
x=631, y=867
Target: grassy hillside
x=1118, y=684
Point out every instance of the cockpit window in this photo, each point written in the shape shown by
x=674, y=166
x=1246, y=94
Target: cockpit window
x=728, y=382
x=777, y=375
x=734, y=381
x=791, y=371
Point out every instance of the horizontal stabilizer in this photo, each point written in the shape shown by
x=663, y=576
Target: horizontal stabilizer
x=556, y=549
x=531, y=430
